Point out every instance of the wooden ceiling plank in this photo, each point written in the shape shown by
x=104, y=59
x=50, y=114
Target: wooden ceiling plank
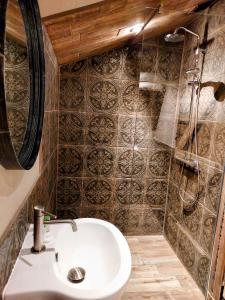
x=90, y=30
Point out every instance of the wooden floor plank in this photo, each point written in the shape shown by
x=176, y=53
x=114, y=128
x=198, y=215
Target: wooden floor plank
x=157, y=273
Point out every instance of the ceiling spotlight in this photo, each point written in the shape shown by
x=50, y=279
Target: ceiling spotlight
x=136, y=28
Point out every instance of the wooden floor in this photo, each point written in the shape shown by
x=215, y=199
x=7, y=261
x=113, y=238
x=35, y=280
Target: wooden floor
x=157, y=273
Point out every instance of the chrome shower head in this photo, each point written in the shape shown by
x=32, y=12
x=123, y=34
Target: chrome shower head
x=174, y=37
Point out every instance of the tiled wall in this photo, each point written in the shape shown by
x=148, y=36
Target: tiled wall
x=110, y=165
x=17, y=90
x=192, y=235
x=44, y=192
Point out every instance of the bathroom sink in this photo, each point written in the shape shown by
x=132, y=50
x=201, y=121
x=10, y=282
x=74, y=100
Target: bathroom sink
x=97, y=246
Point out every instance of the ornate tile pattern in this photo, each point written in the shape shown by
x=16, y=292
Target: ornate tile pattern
x=71, y=128
x=102, y=130
x=186, y=252
x=129, y=191
x=107, y=153
x=208, y=230
x=70, y=161
x=103, y=95
x=100, y=161
x=193, y=221
x=153, y=220
x=156, y=192
x=171, y=230
x=72, y=94
x=169, y=64
x=132, y=59
x=158, y=165
x=69, y=193
x=202, y=271
x=76, y=69
x=107, y=65
x=97, y=192
x=130, y=163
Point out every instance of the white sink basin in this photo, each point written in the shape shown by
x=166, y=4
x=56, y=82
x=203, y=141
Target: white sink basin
x=97, y=246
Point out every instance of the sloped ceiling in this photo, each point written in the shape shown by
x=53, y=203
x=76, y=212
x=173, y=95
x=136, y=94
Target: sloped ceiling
x=81, y=29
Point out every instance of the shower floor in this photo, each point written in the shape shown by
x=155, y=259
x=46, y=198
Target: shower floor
x=157, y=273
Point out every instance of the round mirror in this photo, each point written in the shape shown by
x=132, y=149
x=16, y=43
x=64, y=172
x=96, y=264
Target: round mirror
x=21, y=83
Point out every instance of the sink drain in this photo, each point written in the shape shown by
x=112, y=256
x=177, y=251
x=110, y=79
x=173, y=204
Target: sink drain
x=76, y=275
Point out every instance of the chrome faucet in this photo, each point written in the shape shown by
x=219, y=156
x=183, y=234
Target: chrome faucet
x=39, y=222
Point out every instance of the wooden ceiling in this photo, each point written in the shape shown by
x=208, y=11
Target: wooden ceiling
x=93, y=29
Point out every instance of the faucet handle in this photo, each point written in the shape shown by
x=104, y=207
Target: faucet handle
x=49, y=214
x=40, y=211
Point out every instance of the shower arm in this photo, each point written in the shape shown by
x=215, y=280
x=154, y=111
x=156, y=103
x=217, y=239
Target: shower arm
x=194, y=34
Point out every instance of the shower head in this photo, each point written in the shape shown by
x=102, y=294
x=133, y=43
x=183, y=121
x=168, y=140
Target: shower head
x=174, y=37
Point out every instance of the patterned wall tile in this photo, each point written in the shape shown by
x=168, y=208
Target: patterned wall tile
x=107, y=65
x=102, y=129
x=214, y=60
x=202, y=271
x=11, y=244
x=72, y=94
x=131, y=64
x=45, y=140
x=169, y=64
x=171, y=230
x=126, y=131
x=68, y=213
x=130, y=163
x=148, y=62
x=129, y=97
x=186, y=252
x=98, y=192
x=142, y=132
x=103, y=95
x=134, y=225
x=100, y=161
x=153, y=220
x=192, y=222
x=133, y=131
x=70, y=161
x=53, y=131
x=128, y=221
x=129, y=191
x=156, y=191
x=69, y=193
x=218, y=153
x=208, y=230
x=213, y=190
x=174, y=205
x=71, y=128
x=121, y=219
x=73, y=69
x=158, y=163
x=17, y=120
x=145, y=101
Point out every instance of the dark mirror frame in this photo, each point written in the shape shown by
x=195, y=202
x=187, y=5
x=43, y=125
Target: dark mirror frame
x=30, y=148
